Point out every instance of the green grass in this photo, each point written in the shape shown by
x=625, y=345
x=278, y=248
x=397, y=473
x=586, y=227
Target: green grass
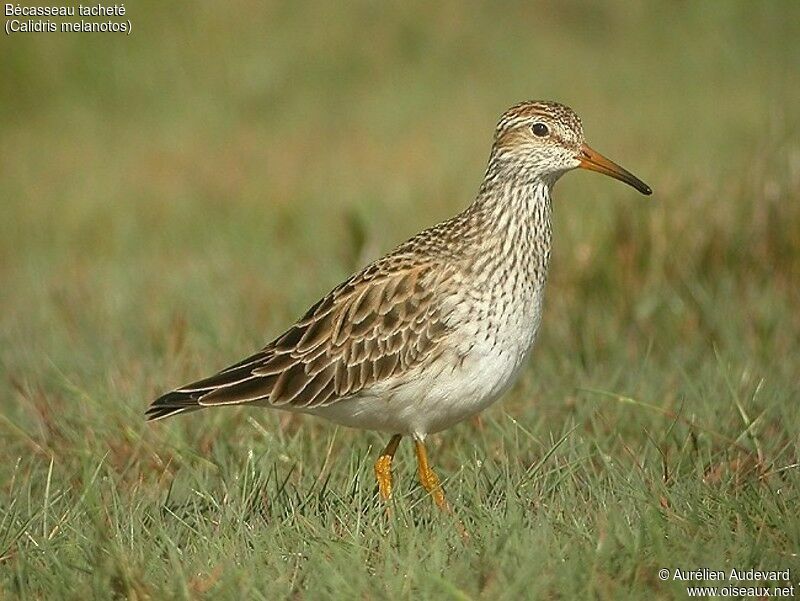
x=173, y=198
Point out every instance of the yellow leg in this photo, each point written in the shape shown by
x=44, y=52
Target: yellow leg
x=428, y=478
x=383, y=468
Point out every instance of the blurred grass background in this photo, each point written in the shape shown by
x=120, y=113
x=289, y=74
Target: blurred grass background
x=172, y=199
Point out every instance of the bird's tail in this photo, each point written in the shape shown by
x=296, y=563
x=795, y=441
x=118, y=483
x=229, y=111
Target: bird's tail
x=236, y=385
x=173, y=403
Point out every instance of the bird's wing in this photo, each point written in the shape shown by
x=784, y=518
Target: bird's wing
x=382, y=321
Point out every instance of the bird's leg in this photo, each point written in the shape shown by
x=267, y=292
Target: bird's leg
x=428, y=478
x=383, y=468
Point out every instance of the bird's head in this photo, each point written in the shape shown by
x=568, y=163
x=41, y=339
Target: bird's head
x=538, y=139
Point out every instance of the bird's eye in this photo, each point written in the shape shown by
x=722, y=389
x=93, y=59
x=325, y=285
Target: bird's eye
x=540, y=130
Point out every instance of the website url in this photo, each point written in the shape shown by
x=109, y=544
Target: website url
x=741, y=591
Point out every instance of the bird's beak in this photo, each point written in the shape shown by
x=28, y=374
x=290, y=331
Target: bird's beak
x=594, y=161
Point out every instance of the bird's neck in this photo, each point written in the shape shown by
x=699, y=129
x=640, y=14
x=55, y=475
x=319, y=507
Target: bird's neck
x=512, y=221
x=514, y=207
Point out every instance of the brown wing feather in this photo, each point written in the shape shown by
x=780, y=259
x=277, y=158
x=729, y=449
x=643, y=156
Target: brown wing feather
x=364, y=331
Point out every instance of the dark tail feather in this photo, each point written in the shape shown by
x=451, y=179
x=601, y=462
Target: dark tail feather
x=172, y=403
x=232, y=386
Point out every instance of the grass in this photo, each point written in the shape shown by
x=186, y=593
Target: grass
x=173, y=198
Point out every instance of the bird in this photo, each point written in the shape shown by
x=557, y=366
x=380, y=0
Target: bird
x=439, y=328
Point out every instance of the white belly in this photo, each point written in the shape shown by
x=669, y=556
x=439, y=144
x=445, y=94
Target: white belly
x=465, y=380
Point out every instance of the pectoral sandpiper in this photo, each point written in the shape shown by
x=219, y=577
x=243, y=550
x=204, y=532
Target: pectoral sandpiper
x=439, y=328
